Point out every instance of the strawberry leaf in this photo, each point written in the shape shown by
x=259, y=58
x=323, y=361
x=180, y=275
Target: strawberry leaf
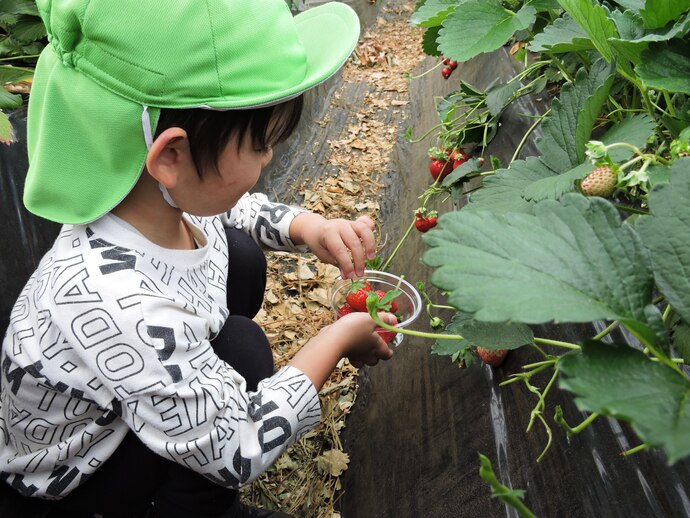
x=594, y=19
x=479, y=26
x=563, y=35
x=573, y=261
x=621, y=382
x=681, y=341
x=502, y=192
x=489, y=335
x=635, y=40
x=666, y=66
x=666, y=233
x=389, y=297
x=429, y=44
x=433, y=12
x=657, y=13
x=569, y=128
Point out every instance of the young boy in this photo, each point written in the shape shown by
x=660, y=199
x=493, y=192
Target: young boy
x=133, y=378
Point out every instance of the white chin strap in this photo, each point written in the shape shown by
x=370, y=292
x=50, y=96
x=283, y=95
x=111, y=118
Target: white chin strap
x=148, y=137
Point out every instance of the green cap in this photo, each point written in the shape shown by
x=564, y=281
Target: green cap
x=112, y=63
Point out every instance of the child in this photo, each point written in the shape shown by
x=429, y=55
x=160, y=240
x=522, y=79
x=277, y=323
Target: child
x=132, y=372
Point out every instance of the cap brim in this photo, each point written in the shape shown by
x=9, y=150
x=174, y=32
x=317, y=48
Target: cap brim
x=329, y=33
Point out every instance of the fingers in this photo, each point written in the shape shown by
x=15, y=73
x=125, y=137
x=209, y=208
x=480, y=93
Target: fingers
x=388, y=318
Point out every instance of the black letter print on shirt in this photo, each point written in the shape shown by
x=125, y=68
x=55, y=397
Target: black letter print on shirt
x=276, y=213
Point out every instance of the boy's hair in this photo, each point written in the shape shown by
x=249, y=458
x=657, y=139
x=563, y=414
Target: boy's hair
x=209, y=131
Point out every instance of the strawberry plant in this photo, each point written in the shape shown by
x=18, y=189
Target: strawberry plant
x=594, y=227
x=22, y=37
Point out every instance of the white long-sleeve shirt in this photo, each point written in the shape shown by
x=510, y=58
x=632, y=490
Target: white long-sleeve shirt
x=111, y=334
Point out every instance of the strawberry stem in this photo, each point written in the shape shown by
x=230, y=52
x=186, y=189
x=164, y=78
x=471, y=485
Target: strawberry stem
x=606, y=331
x=634, y=450
x=569, y=430
x=421, y=334
x=384, y=266
x=557, y=343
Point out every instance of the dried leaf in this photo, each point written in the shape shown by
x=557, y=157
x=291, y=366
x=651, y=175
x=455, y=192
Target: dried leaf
x=333, y=462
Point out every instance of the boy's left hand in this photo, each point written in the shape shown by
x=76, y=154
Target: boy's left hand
x=346, y=244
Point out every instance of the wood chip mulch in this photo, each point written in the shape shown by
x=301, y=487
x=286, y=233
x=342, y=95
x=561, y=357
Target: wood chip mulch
x=305, y=481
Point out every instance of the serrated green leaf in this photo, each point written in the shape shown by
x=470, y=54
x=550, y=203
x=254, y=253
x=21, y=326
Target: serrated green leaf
x=666, y=234
x=658, y=174
x=635, y=5
x=502, y=192
x=466, y=169
x=594, y=19
x=634, y=130
x=490, y=335
x=6, y=129
x=666, y=66
x=570, y=261
x=10, y=74
x=563, y=35
x=480, y=26
x=631, y=46
x=569, y=127
x=500, y=96
x=429, y=43
x=553, y=187
x=543, y=5
x=657, y=13
x=9, y=101
x=29, y=29
x=19, y=7
x=618, y=381
x=433, y=12
x=681, y=341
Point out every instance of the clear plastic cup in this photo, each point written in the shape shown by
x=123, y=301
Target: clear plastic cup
x=409, y=301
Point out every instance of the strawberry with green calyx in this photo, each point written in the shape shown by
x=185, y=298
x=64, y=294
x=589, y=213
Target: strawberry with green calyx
x=459, y=157
x=441, y=165
x=425, y=219
x=603, y=182
x=357, y=295
x=493, y=357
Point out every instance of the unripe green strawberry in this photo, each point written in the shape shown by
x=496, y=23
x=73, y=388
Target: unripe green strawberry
x=600, y=182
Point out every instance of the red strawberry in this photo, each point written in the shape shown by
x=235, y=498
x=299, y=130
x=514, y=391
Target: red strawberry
x=357, y=296
x=425, y=224
x=358, y=300
x=446, y=61
x=493, y=357
x=451, y=64
x=440, y=168
x=344, y=310
x=387, y=335
x=459, y=157
x=446, y=72
x=600, y=182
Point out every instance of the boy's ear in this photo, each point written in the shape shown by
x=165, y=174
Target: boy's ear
x=168, y=155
